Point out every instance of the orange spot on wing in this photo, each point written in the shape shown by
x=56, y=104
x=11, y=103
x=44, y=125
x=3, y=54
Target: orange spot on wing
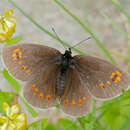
x=19, y=53
x=80, y=104
x=16, y=50
x=109, y=83
x=15, y=58
x=113, y=73
x=41, y=95
x=24, y=67
x=33, y=86
x=102, y=85
x=48, y=98
x=118, y=78
x=118, y=73
x=80, y=101
x=84, y=99
x=34, y=93
x=111, y=77
x=96, y=86
x=36, y=90
x=66, y=101
x=28, y=71
x=73, y=102
x=14, y=55
x=20, y=62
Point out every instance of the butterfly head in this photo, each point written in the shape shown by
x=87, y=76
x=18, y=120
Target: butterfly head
x=68, y=53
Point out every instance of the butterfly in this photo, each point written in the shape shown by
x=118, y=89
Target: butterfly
x=52, y=77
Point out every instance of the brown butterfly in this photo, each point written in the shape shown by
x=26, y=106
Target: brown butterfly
x=52, y=77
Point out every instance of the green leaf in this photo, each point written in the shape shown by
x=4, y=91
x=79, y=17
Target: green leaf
x=87, y=29
x=38, y=125
x=33, y=126
x=116, y=112
x=12, y=81
x=29, y=108
x=5, y=97
x=93, y=118
x=126, y=125
x=43, y=123
x=51, y=127
x=13, y=41
x=66, y=124
x=90, y=122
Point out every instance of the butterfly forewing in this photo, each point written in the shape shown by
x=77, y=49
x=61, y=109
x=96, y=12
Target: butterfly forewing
x=104, y=79
x=40, y=90
x=24, y=60
x=76, y=100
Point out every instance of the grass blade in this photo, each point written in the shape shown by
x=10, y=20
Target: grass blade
x=116, y=26
x=86, y=28
x=121, y=10
x=12, y=81
x=29, y=108
x=45, y=30
x=84, y=10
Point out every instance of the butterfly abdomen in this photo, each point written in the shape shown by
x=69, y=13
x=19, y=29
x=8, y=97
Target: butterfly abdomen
x=61, y=79
x=60, y=85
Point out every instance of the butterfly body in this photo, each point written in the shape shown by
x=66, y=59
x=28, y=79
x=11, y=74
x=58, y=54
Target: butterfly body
x=66, y=63
x=52, y=77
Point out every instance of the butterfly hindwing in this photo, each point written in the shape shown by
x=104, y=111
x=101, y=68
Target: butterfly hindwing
x=40, y=90
x=24, y=60
x=76, y=100
x=103, y=78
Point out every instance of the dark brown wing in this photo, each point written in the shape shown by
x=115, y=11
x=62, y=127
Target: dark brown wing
x=76, y=100
x=103, y=79
x=40, y=91
x=24, y=60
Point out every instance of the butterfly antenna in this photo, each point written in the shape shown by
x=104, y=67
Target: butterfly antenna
x=81, y=42
x=58, y=37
